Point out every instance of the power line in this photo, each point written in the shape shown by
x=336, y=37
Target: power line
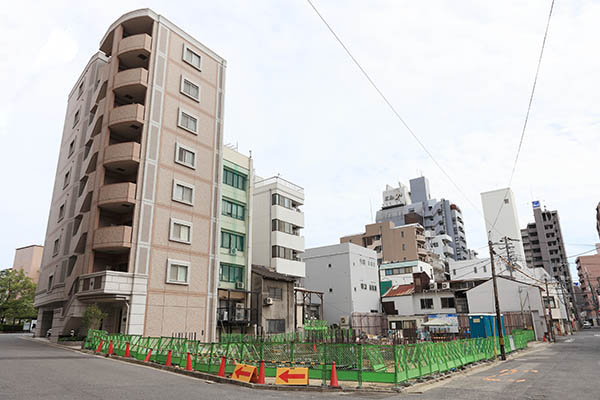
x=585, y=252
x=392, y=108
x=537, y=71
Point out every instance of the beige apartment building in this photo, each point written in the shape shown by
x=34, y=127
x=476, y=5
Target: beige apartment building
x=392, y=243
x=134, y=219
x=29, y=259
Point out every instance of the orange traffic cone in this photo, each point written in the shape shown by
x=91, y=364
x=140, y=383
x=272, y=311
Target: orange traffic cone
x=188, y=364
x=333, y=382
x=168, y=362
x=99, y=349
x=127, y=353
x=261, y=373
x=110, y=348
x=222, y=367
x=314, y=347
x=148, y=355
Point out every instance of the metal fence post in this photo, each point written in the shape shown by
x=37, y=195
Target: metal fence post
x=324, y=366
x=210, y=356
x=396, y=372
x=292, y=352
x=359, y=347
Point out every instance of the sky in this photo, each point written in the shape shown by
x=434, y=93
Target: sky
x=459, y=73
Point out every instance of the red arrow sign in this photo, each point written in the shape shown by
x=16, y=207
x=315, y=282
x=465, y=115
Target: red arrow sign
x=285, y=376
x=240, y=371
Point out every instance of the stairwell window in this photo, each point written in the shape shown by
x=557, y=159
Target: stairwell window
x=76, y=118
x=56, y=247
x=61, y=212
x=185, y=156
x=183, y=192
x=67, y=179
x=189, y=88
x=231, y=241
x=181, y=231
x=178, y=272
x=187, y=121
x=192, y=58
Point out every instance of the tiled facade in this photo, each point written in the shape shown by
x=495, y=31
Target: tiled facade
x=133, y=224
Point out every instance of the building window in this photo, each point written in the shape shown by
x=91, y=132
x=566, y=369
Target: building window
x=183, y=192
x=187, y=121
x=234, y=179
x=279, y=200
x=401, y=233
x=80, y=90
x=178, y=272
x=181, y=231
x=549, y=300
x=426, y=304
x=189, y=88
x=276, y=293
x=447, y=302
x=275, y=325
x=232, y=241
x=61, y=212
x=453, y=272
x=403, y=247
x=76, y=118
x=231, y=273
x=185, y=156
x=233, y=210
x=50, y=281
x=71, y=148
x=285, y=227
x=192, y=58
x=484, y=268
x=505, y=201
x=475, y=270
x=56, y=247
x=67, y=178
x=284, y=252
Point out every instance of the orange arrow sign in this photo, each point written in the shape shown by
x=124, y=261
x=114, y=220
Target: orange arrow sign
x=291, y=376
x=243, y=372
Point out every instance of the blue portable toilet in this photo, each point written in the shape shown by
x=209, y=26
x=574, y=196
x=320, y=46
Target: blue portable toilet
x=484, y=325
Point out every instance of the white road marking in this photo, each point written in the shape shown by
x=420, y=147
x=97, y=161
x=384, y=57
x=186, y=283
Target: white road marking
x=571, y=340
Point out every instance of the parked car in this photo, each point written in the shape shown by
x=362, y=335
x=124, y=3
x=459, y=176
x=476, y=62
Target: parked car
x=587, y=325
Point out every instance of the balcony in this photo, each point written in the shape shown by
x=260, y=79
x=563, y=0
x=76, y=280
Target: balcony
x=117, y=197
x=131, y=85
x=123, y=158
x=236, y=315
x=113, y=239
x=134, y=51
x=109, y=284
x=420, y=238
x=127, y=121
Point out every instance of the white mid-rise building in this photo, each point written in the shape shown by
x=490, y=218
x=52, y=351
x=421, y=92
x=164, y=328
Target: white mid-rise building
x=277, y=221
x=347, y=275
x=501, y=220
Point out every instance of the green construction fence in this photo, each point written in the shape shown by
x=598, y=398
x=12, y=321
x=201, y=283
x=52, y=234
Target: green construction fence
x=392, y=364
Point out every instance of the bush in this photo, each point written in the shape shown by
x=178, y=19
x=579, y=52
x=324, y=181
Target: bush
x=11, y=328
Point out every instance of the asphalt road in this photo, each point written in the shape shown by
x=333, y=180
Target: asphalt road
x=33, y=370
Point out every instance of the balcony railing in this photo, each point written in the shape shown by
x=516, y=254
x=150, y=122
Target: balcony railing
x=117, y=194
x=112, y=237
x=105, y=283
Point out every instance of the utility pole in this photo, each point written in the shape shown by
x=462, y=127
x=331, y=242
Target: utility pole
x=508, y=256
x=567, y=303
x=498, y=316
x=521, y=304
x=551, y=324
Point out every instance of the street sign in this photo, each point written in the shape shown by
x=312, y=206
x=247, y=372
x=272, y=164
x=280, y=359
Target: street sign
x=291, y=376
x=244, y=373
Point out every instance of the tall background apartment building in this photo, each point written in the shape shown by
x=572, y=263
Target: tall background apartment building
x=133, y=223
x=588, y=269
x=234, y=313
x=442, y=217
x=544, y=248
x=277, y=222
x=29, y=259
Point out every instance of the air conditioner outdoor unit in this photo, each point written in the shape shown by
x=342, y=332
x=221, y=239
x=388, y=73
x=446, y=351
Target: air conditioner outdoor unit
x=233, y=251
x=224, y=315
x=239, y=306
x=239, y=285
x=268, y=301
x=446, y=285
x=240, y=315
x=432, y=286
x=344, y=321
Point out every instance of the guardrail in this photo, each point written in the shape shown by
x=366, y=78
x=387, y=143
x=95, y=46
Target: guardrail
x=354, y=362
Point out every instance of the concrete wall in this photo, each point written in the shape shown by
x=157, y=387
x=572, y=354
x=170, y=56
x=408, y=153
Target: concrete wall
x=29, y=259
x=337, y=271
